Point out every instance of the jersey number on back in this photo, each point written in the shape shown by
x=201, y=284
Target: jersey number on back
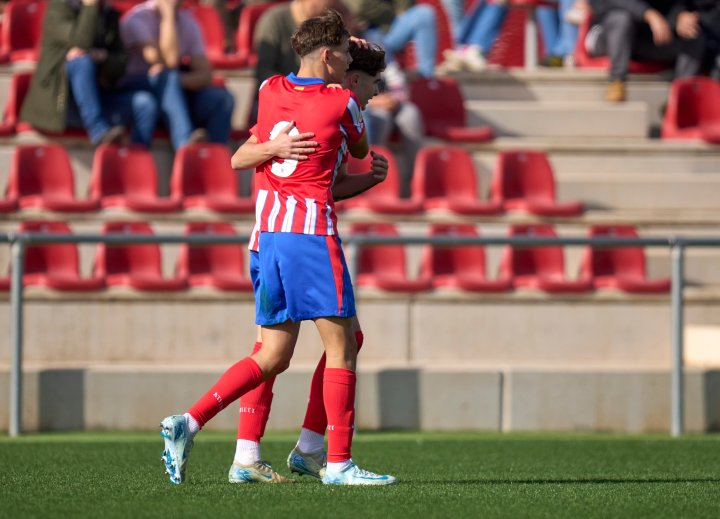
x=286, y=167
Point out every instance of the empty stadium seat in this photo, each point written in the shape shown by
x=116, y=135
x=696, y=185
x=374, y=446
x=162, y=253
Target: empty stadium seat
x=384, y=197
x=202, y=178
x=19, y=85
x=445, y=178
x=459, y=266
x=7, y=205
x=693, y=110
x=538, y=267
x=55, y=266
x=249, y=17
x=584, y=60
x=621, y=268
x=135, y=265
x=41, y=176
x=127, y=177
x=383, y=266
x=4, y=284
x=523, y=181
x=219, y=266
x=21, y=30
x=443, y=110
x=213, y=32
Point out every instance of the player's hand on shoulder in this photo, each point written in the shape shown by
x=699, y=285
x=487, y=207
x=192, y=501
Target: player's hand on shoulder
x=378, y=166
x=293, y=147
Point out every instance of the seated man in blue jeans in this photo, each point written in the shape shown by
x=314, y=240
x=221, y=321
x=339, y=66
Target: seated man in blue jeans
x=81, y=60
x=167, y=58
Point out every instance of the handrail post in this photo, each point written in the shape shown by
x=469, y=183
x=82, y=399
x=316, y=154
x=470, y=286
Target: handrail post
x=16, y=335
x=677, y=378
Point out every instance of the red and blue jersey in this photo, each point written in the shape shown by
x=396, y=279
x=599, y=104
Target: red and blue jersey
x=296, y=196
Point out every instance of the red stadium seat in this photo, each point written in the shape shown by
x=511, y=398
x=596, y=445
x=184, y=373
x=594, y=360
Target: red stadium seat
x=41, y=176
x=384, y=197
x=7, y=205
x=584, y=60
x=538, y=267
x=213, y=32
x=523, y=181
x=127, y=177
x=693, y=110
x=383, y=266
x=19, y=85
x=445, y=178
x=4, y=284
x=249, y=17
x=55, y=266
x=620, y=268
x=135, y=265
x=219, y=266
x=443, y=110
x=460, y=267
x=22, y=30
x=202, y=177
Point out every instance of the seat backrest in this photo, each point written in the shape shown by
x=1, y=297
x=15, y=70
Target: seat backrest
x=19, y=86
x=249, y=17
x=440, y=260
x=203, y=169
x=523, y=174
x=131, y=258
x=210, y=259
x=380, y=259
x=126, y=170
x=444, y=171
x=40, y=169
x=56, y=259
x=542, y=261
x=390, y=187
x=211, y=27
x=22, y=26
x=440, y=102
x=613, y=261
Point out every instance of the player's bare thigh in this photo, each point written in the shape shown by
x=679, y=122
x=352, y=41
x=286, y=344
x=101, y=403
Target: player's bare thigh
x=339, y=341
x=278, y=345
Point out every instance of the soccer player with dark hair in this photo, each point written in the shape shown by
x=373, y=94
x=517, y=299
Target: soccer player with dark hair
x=301, y=272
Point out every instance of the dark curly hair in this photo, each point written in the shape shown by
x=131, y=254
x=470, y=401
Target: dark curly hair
x=370, y=60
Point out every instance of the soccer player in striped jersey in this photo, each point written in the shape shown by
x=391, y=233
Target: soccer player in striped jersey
x=301, y=272
x=308, y=456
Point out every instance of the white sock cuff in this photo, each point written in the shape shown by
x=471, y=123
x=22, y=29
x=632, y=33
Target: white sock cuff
x=193, y=425
x=247, y=452
x=310, y=441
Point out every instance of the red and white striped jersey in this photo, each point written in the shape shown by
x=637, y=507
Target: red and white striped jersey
x=294, y=196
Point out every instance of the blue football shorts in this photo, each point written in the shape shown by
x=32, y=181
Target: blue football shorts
x=299, y=277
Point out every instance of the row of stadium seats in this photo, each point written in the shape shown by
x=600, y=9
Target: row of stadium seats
x=41, y=176
x=383, y=267
x=440, y=101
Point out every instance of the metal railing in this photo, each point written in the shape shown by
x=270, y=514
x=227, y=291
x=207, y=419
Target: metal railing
x=20, y=241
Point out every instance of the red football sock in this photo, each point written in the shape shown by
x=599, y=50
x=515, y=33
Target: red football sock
x=240, y=378
x=315, y=417
x=339, y=392
x=255, y=409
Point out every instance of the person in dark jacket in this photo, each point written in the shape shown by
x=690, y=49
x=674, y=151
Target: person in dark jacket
x=81, y=60
x=700, y=20
x=640, y=29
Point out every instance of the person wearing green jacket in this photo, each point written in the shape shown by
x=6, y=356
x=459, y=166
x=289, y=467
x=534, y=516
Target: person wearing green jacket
x=81, y=59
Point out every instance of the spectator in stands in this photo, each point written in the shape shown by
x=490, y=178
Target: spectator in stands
x=395, y=24
x=559, y=34
x=81, y=60
x=273, y=32
x=700, y=20
x=641, y=29
x=390, y=111
x=167, y=58
x=475, y=37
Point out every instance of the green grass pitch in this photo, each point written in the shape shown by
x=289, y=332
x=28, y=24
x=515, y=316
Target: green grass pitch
x=441, y=475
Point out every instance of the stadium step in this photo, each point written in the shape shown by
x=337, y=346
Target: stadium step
x=560, y=119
